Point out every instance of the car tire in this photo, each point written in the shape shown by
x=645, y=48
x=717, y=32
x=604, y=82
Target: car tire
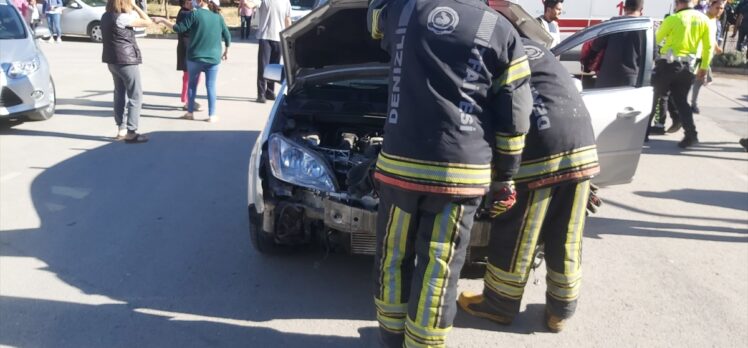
x=49, y=111
x=94, y=32
x=261, y=241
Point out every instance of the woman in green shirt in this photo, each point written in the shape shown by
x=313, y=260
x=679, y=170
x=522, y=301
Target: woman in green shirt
x=206, y=28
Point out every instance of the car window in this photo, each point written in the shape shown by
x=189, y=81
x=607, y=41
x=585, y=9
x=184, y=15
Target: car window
x=95, y=3
x=11, y=25
x=302, y=4
x=609, y=61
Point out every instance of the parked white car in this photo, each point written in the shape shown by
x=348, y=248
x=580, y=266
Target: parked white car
x=27, y=92
x=83, y=18
x=326, y=128
x=301, y=8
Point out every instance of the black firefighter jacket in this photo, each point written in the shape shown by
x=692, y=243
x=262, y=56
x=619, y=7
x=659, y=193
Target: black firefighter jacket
x=459, y=100
x=560, y=146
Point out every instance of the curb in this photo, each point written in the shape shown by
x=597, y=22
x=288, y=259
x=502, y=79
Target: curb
x=730, y=70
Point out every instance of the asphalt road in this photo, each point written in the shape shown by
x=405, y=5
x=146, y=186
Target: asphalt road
x=104, y=244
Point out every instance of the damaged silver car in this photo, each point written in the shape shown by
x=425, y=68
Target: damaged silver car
x=309, y=172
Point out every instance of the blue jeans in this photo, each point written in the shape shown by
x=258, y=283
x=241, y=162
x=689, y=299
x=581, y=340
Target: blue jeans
x=211, y=71
x=53, y=19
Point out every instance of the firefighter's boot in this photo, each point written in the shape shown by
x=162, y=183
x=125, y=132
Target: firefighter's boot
x=476, y=305
x=554, y=323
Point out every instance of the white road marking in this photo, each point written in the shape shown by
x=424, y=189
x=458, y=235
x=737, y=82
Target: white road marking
x=286, y=325
x=53, y=207
x=9, y=176
x=73, y=192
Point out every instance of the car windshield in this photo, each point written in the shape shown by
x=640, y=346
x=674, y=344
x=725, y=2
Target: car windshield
x=95, y=3
x=11, y=25
x=302, y=4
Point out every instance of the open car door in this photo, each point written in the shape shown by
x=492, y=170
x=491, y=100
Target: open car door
x=620, y=115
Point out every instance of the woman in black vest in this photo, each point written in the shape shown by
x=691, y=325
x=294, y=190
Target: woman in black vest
x=122, y=55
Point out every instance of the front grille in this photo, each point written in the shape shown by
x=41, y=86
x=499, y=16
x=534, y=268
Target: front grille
x=364, y=242
x=8, y=98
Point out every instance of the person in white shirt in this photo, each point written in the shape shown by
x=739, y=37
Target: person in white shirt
x=274, y=16
x=549, y=19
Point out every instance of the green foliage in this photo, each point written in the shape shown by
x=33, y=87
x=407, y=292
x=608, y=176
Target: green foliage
x=730, y=60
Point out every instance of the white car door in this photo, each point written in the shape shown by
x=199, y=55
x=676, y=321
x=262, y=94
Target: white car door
x=620, y=115
x=72, y=20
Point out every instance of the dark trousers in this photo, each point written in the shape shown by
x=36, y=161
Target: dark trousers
x=268, y=53
x=246, y=23
x=127, y=91
x=664, y=106
x=742, y=34
x=415, y=301
x=555, y=215
x=675, y=79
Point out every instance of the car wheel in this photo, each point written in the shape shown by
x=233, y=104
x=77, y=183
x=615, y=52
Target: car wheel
x=49, y=111
x=261, y=241
x=94, y=32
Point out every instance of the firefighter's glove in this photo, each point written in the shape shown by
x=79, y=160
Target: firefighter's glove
x=500, y=198
x=594, y=202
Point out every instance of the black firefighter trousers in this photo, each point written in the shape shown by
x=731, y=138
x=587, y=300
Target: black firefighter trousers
x=555, y=215
x=421, y=244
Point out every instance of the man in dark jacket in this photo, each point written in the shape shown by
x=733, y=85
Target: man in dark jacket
x=459, y=107
x=622, y=52
x=553, y=189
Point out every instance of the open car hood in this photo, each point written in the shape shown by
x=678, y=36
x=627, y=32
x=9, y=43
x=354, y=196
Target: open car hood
x=334, y=34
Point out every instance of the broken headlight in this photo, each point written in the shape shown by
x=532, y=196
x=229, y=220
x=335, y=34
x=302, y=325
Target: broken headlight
x=296, y=164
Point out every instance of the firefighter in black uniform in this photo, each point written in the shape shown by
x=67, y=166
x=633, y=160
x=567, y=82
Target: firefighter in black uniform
x=459, y=109
x=553, y=189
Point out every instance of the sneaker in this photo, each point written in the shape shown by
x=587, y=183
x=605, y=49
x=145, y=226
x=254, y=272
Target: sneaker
x=555, y=324
x=188, y=116
x=657, y=129
x=58, y=40
x=212, y=119
x=121, y=133
x=270, y=96
x=688, y=141
x=676, y=126
x=475, y=305
x=695, y=109
x=261, y=100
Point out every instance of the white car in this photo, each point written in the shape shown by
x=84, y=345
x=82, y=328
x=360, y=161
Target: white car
x=83, y=18
x=308, y=170
x=27, y=92
x=301, y=8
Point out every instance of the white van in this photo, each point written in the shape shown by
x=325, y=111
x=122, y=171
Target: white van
x=580, y=14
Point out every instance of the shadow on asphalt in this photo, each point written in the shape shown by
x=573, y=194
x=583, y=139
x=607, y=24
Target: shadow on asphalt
x=526, y=322
x=598, y=227
x=725, y=199
x=667, y=145
x=163, y=228
x=6, y=128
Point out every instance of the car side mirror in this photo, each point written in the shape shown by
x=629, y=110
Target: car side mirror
x=274, y=72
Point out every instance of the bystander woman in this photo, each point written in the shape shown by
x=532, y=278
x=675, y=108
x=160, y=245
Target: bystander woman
x=122, y=56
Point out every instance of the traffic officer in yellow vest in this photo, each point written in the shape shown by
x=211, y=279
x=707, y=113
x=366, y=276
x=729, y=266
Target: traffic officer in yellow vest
x=680, y=35
x=553, y=190
x=459, y=106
